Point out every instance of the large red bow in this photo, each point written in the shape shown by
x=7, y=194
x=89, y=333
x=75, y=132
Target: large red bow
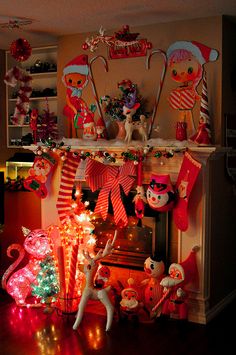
x=110, y=178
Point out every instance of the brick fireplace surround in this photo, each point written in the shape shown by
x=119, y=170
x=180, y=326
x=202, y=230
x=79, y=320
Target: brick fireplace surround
x=204, y=301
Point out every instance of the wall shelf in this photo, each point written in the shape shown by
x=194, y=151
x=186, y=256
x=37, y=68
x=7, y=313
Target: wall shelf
x=40, y=82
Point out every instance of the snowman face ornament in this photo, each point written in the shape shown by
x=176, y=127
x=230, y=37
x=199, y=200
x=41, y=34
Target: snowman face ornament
x=160, y=195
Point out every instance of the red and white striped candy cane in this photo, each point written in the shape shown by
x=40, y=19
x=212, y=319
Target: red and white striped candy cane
x=158, y=94
x=73, y=263
x=91, y=77
x=161, y=300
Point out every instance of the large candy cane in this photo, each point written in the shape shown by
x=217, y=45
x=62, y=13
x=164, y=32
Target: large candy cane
x=93, y=82
x=158, y=51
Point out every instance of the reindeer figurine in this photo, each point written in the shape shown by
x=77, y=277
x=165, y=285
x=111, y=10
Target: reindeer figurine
x=90, y=292
x=129, y=109
x=131, y=126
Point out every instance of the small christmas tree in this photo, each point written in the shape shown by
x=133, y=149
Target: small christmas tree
x=47, y=283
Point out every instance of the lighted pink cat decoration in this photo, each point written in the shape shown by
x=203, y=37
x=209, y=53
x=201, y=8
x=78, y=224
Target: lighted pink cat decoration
x=18, y=285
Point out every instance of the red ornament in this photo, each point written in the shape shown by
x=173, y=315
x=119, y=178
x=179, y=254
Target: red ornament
x=20, y=49
x=149, y=45
x=85, y=46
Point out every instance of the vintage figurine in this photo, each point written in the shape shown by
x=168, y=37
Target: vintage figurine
x=185, y=61
x=130, y=301
x=154, y=268
x=174, y=299
x=202, y=136
x=160, y=193
x=75, y=78
x=131, y=126
x=90, y=291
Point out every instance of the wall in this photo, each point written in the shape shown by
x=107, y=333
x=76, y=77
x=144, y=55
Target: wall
x=228, y=69
x=206, y=31
x=222, y=240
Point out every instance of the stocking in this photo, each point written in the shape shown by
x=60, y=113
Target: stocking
x=68, y=173
x=188, y=174
x=38, y=174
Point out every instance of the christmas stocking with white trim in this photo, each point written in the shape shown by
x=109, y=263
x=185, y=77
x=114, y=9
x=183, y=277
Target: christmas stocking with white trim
x=188, y=174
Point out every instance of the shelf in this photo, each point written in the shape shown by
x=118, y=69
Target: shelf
x=43, y=75
x=38, y=98
x=44, y=83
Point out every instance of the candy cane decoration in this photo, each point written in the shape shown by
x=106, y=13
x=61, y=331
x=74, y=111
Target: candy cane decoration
x=161, y=300
x=93, y=82
x=204, y=112
x=14, y=76
x=158, y=51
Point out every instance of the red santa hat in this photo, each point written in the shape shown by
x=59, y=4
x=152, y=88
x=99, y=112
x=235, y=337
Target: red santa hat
x=77, y=65
x=160, y=184
x=187, y=268
x=203, y=53
x=100, y=122
x=88, y=118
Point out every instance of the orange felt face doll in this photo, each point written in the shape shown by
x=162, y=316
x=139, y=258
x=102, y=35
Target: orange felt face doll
x=75, y=80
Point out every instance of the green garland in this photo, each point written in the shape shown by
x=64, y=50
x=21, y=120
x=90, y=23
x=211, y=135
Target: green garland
x=130, y=154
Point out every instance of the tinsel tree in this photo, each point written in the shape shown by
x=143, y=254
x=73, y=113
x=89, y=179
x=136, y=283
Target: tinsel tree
x=47, y=128
x=47, y=285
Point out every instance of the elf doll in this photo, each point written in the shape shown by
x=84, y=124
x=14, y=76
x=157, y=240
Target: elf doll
x=185, y=61
x=75, y=78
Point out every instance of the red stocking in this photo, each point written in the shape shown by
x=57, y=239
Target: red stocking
x=188, y=174
x=38, y=174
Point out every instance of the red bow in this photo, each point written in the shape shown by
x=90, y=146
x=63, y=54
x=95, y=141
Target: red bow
x=110, y=178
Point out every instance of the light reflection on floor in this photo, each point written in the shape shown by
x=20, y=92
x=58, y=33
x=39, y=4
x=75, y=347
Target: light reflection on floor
x=51, y=334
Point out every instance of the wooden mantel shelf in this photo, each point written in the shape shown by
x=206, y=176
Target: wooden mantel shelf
x=151, y=164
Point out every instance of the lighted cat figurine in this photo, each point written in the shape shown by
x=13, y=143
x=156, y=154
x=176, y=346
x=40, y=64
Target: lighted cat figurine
x=18, y=285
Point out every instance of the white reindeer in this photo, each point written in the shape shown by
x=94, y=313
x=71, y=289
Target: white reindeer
x=90, y=292
x=131, y=126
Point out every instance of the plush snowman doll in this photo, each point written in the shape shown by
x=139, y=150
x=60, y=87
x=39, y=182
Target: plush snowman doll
x=160, y=194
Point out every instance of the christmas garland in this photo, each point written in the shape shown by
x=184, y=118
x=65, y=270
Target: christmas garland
x=107, y=157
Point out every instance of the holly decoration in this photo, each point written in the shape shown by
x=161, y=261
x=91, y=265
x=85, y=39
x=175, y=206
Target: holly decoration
x=20, y=50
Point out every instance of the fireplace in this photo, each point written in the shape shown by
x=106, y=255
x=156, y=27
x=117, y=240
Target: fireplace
x=135, y=242
x=200, y=214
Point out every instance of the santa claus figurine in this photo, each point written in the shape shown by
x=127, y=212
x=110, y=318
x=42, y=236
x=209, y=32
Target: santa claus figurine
x=101, y=129
x=129, y=304
x=89, y=131
x=160, y=194
x=174, y=299
x=154, y=268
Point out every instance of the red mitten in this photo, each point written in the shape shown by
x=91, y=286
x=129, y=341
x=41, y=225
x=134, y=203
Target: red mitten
x=38, y=174
x=188, y=174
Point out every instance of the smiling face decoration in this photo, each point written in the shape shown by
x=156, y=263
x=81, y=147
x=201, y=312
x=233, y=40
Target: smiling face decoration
x=160, y=194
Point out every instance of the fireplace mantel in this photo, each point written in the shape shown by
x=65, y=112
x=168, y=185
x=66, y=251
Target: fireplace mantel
x=206, y=299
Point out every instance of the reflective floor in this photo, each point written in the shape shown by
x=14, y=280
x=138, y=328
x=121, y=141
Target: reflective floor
x=31, y=332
